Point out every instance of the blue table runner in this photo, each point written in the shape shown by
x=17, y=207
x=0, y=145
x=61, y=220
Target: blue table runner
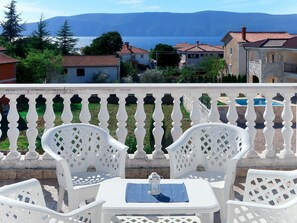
x=138, y=193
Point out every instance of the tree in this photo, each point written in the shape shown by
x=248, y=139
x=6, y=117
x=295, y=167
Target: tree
x=41, y=35
x=165, y=55
x=40, y=67
x=65, y=40
x=12, y=27
x=212, y=66
x=107, y=44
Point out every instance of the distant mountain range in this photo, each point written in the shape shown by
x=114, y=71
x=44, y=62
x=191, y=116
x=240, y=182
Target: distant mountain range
x=205, y=23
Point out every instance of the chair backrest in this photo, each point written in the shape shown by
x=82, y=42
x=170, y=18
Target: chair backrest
x=218, y=144
x=270, y=187
x=81, y=145
x=213, y=145
x=28, y=191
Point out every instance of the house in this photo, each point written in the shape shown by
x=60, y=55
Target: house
x=234, y=52
x=134, y=54
x=272, y=60
x=81, y=69
x=194, y=53
x=7, y=68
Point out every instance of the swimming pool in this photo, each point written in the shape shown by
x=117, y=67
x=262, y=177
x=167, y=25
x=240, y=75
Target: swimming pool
x=257, y=102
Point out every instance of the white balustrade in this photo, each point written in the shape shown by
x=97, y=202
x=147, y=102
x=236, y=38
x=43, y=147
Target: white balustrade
x=32, y=131
x=103, y=115
x=287, y=131
x=176, y=117
x=13, y=131
x=158, y=131
x=122, y=118
x=214, y=115
x=250, y=116
x=140, y=131
x=270, y=157
x=49, y=114
x=85, y=115
x=195, y=114
x=232, y=115
x=269, y=131
x=67, y=114
x=1, y=154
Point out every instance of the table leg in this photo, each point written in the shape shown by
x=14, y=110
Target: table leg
x=106, y=218
x=206, y=218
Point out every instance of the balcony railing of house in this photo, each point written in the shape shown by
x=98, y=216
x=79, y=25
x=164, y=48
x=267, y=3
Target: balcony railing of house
x=187, y=94
x=290, y=68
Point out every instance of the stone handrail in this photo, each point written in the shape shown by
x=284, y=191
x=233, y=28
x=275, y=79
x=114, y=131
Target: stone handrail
x=284, y=156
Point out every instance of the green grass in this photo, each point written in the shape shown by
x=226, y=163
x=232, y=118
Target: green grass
x=112, y=109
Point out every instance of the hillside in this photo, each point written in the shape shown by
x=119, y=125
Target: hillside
x=206, y=23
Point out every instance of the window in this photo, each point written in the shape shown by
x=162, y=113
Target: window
x=141, y=56
x=272, y=58
x=202, y=55
x=80, y=72
x=65, y=71
x=221, y=55
x=193, y=56
x=230, y=51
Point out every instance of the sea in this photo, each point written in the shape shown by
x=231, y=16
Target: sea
x=149, y=42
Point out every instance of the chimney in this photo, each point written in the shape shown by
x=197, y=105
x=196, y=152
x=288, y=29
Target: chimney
x=243, y=33
x=197, y=43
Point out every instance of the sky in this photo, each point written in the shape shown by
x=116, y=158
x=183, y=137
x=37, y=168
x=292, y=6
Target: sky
x=31, y=10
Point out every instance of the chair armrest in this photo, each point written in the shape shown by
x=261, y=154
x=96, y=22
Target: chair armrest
x=182, y=155
x=258, y=213
x=120, y=160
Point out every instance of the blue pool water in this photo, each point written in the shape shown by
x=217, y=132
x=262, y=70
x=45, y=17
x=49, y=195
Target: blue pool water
x=257, y=102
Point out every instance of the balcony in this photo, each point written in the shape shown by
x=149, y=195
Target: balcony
x=290, y=68
x=274, y=144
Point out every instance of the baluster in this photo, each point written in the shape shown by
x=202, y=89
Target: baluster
x=122, y=118
x=158, y=131
x=232, y=115
x=214, y=115
x=67, y=114
x=1, y=154
x=287, y=131
x=103, y=115
x=195, y=114
x=32, y=131
x=13, y=131
x=85, y=115
x=269, y=130
x=250, y=116
x=49, y=114
x=140, y=131
x=176, y=117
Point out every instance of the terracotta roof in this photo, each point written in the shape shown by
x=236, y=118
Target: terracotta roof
x=256, y=36
x=4, y=59
x=2, y=48
x=274, y=43
x=128, y=49
x=90, y=61
x=202, y=48
x=179, y=46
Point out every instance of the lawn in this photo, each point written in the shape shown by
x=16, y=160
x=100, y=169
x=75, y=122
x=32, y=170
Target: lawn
x=94, y=110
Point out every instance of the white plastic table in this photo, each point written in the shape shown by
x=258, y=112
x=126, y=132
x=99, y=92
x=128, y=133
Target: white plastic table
x=202, y=200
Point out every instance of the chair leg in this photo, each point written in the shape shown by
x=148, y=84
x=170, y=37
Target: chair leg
x=60, y=198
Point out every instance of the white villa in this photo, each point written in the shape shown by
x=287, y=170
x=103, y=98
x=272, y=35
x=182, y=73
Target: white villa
x=134, y=54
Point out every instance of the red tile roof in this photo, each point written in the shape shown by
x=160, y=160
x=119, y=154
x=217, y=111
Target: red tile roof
x=90, y=61
x=128, y=49
x=201, y=48
x=2, y=48
x=256, y=36
x=4, y=59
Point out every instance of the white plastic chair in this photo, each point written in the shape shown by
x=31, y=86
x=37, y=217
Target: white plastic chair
x=24, y=203
x=85, y=155
x=270, y=196
x=211, y=152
